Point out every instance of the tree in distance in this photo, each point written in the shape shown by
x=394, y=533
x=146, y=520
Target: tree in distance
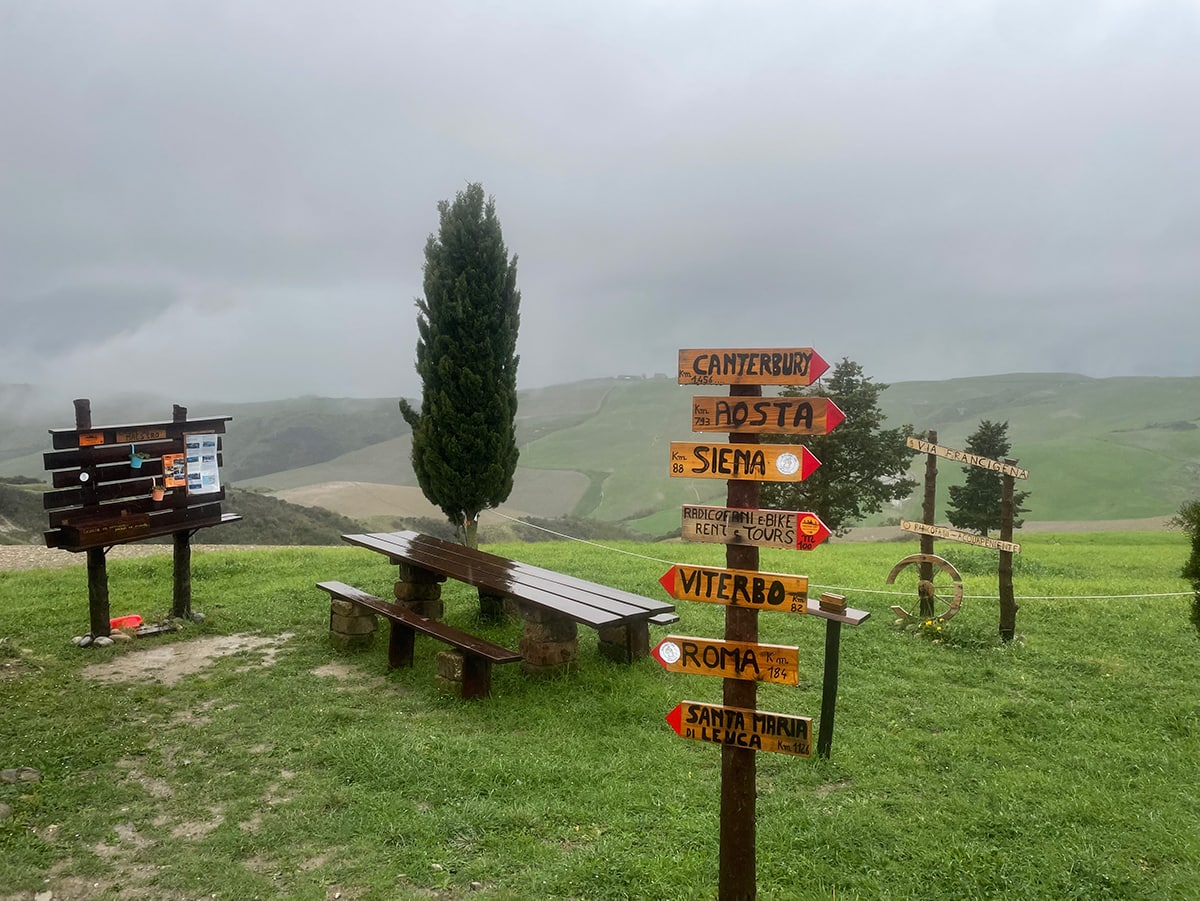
x=975, y=505
x=464, y=446
x=863, y=465
x=1188, y=519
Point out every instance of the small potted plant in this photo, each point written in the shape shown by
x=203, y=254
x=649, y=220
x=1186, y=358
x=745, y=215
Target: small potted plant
x=157, y=491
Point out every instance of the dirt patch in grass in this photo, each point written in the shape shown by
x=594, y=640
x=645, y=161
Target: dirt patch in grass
x=168, y=664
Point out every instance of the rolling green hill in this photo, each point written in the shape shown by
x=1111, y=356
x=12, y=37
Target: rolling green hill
x=1096, y=449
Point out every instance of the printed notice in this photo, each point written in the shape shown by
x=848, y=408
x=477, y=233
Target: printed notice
x=201, y=452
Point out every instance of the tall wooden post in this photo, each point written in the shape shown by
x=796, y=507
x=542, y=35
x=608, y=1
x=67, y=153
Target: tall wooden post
x=181, y=581
x=928, y=512
x=97, y=563
x=737, y=880
x=1008, y=603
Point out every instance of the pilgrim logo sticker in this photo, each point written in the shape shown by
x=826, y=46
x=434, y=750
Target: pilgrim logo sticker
x=787, y=464
x=669, y=652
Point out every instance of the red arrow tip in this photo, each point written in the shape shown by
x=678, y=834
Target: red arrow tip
x=833, y=416
x=808, y=465
x=675, y=719
x=668, y=581
x=816, y=367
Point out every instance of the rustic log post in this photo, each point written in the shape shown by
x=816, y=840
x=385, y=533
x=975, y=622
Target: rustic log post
x=181, y=582
x=1008, y=603
x=928, y=512
x=97, y=563
x=737, y=878
x=829, y=685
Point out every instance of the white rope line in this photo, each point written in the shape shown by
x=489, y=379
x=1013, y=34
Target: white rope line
x=844, y=589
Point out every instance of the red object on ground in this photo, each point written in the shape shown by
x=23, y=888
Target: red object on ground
x=125, y=622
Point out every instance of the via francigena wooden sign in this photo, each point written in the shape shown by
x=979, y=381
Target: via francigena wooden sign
x=957, y=535
x=772, y=366
x=751, y=462
x=766, y=415
x=958, y=456
x=737, y=588
x=775, y=663
x=756, y=730
x=760, y=528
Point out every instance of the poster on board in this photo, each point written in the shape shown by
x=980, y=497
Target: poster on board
x=201, y=451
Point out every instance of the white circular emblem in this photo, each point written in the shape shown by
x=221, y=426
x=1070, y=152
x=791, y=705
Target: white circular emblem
x=787, y=463
x=669, y=652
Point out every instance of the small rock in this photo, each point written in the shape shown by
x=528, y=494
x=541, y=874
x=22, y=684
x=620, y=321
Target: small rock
x=28, y=774
x=122, y=636
x=9, y=776
x=436, y=866
x=196, y=617
x=84, y=641
x=476, y=886
x=5, y=811
x=44, y=896
x=77, y=640
x=102, y=641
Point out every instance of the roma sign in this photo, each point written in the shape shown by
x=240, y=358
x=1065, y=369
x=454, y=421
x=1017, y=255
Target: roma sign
x=760, y=528
x=737, y=588
x=955, y=535
x=773, y=366
x=756, y=730
x=766, y=416
x=754, y=462
x=729, y=659
x=970, y=459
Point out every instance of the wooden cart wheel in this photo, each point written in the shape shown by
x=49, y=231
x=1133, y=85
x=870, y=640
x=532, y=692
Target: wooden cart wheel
x=941, y=591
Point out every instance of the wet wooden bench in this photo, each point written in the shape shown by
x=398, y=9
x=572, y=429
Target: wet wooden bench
x=478, y=655
x=552, y=604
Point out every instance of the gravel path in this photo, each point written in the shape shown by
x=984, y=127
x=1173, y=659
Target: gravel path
x=34, y=556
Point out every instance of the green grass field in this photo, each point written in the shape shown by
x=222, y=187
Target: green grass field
x=1060, y=766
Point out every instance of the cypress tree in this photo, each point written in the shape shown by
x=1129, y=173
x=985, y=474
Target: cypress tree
x=464, y=447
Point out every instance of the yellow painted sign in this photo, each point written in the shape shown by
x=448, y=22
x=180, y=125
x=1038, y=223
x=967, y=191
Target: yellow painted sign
x=760, y=528
x=753, y=462
x=956, y=535
x=141, y=435
x=737, y=588
x=766, y=415
x=764, y=366
x=91, y=439
x=744, y=660
x=970, y=459
x=756, y=730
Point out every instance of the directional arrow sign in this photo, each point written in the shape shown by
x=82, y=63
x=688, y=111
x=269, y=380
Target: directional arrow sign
x=771, y=366
x=729, y=659
x=766, y=415
x=737, y=588
x=760, y=528
x=958, y=535
x=754, y=462
x=757, y=730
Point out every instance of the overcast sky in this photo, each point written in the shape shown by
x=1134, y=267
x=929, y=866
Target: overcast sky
x=230, y=200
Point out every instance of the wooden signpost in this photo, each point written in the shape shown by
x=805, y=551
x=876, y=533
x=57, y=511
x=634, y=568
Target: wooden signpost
x=753, y=462
x=799, y=366
x=752, y=730
x=761, y=528
x=946, y=532
x=737, y=725
x=729, y=659
x=737, y=588
x=766, y=416
x=1008, y=472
